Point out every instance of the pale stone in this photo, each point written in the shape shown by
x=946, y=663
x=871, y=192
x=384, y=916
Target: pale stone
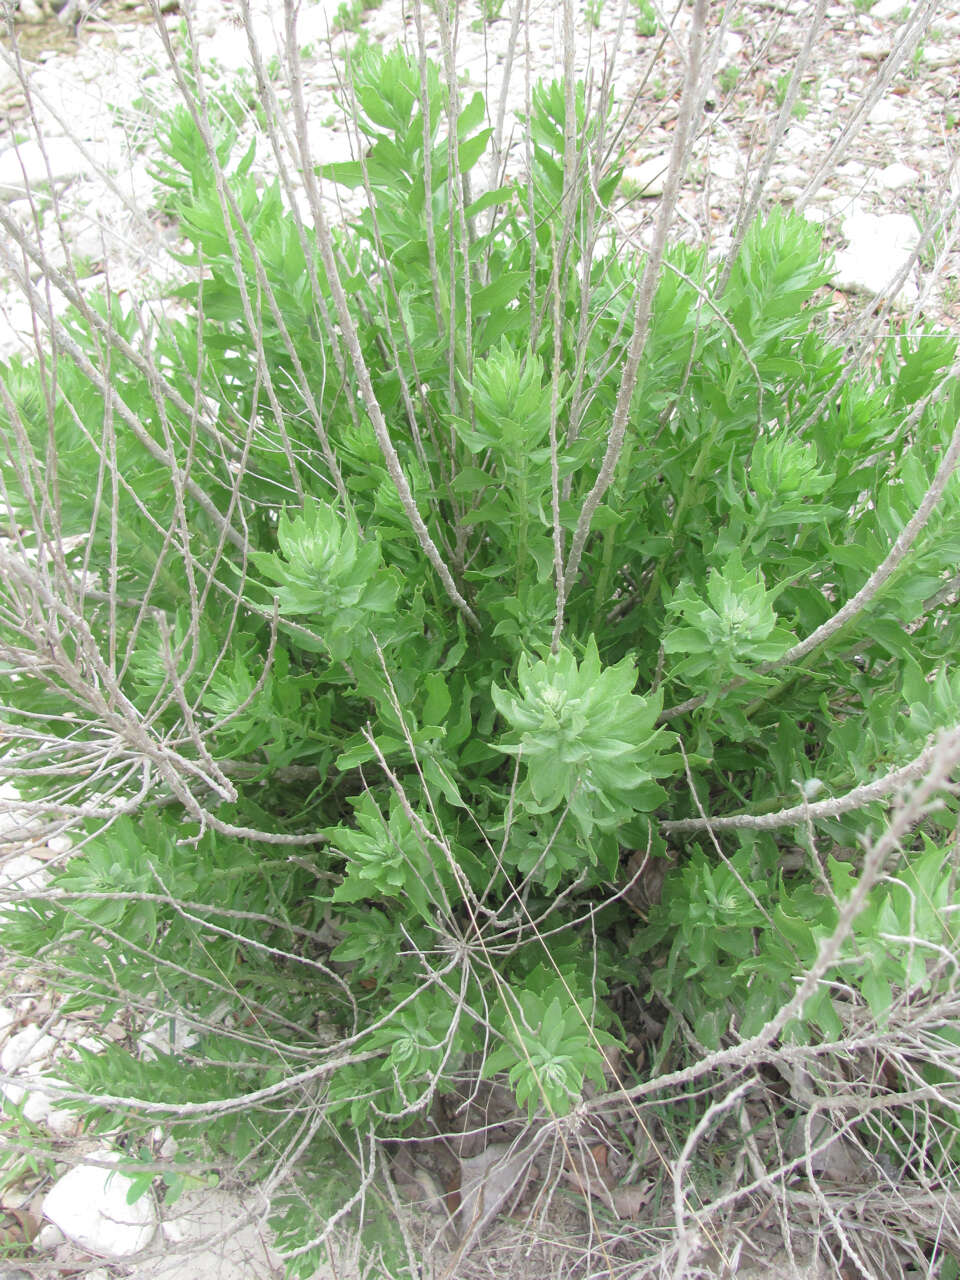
x=873, y=48
x=169, y=1148
x=89, y=243
x=880, y=245
x=171, y=1034
x=889, y=9
x=897, y=175
x=22, y=875
x=799, y=139
x=48, y=1237
x=724, y=165
x=939, y=55
x=9, y=79
x=93, y=1044
x=648, y=177
x=89, y=1205
x=63, y=1124
x=36, y=1109
x=791, y=173
x=896, y=229
x=846, y=206
x=9, y=800
x=25, y=167
x=27, y=1048
x=30, y=11
x=14, y=1093
x=316, y=21
x=7, y=1018
x=883, y=112
x=730, y=48
x=200, y=1216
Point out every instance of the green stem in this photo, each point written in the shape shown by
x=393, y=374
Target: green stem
x=522, y=530
x=603, y=579
x=602, y=589
x=686, y=497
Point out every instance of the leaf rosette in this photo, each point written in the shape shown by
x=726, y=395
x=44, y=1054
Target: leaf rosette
x=586, y=740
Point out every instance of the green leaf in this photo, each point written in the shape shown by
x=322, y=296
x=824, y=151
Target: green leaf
x=437, y=703
x=345, y=173
x=507, y=288
x=473, y=148
x=878, y=995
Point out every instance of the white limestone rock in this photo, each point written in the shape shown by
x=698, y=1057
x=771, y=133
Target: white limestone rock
x=846, y=205
x=800, y=140
x=8, y=77
x=883, y=112
x=731, y=48
x=792, y=173
x=30, y=11
x=873, y=48
x=896, y=176
x=879, y=246
x=36, y=1107
x=89, y=1205
x=850, y=169
x=25, y=167
x=725, y=165
x=168, y=1035
x=22, y=875
x=200, y=1217
x=937, y=56
x=62, y=1124
x=8, y=1017
x=29, y=1047
x=48, y=1237
x=647, y=178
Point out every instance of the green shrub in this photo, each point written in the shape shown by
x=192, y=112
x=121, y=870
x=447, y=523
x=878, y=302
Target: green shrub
x=389, y=809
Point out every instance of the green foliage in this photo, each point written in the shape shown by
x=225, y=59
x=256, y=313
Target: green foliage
x=550, y=1046
x=728, y=78
x=323, y=571
x=593, y=11
x=743, y=930
x=350, y=14
x=586, y=742
x=801, y=108
x=732, y=630
x=646, y=22
x=465, y=794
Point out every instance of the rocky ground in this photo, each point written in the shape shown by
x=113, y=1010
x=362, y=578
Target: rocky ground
x=95, y=99
x=92, y=92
